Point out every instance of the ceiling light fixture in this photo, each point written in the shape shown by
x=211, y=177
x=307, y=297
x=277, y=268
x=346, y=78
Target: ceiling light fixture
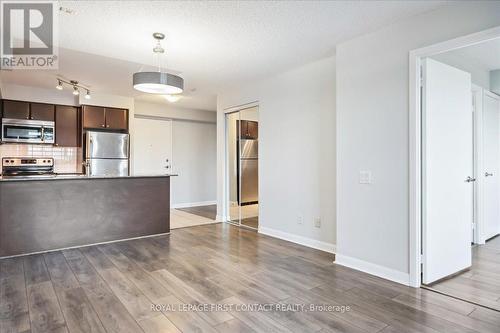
x=158, y=82
x=76, y=87
x=172, y=98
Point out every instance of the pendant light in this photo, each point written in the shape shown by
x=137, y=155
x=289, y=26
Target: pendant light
x=158, y=82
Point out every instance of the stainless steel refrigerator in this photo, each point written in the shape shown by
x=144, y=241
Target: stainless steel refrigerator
x=106, y=154
x=249, y=180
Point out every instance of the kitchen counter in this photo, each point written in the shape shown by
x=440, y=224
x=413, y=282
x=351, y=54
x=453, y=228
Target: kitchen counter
x=38, y=215
x=78, y=176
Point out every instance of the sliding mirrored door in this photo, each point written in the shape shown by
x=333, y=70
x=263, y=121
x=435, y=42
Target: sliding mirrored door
x=242, y=146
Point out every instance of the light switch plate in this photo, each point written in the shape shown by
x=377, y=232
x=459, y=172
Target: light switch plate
x=365, y=177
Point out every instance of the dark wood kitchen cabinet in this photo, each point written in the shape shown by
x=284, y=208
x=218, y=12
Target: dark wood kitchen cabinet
x=94, y=117
x=16, y=110
x=26, y=110
x=249, y=129
x=67, y=126
x=105, y=118
x=116, y=119
x=252, y=129
x=43, y=112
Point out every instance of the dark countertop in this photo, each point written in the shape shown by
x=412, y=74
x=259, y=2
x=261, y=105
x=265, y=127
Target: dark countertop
x=73, y=176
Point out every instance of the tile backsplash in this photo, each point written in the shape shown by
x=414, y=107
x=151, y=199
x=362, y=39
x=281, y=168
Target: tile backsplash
x=66, y=159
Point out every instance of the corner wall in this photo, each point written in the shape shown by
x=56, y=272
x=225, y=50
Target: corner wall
x=495, y=81
x=296, y=152
x=372, y=134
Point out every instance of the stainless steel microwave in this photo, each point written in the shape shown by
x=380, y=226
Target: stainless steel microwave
x=28, y=131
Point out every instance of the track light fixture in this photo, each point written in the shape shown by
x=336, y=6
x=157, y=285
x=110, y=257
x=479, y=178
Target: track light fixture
x=76, y=87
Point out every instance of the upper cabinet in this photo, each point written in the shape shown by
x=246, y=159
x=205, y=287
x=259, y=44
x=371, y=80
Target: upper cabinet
x=67, y=126
x=16, y=110
x=105, y=118
x=116, y=119
x=26, y=110
x=249, y=129
x=42, y=111
x=94, y=117
x=252, y=129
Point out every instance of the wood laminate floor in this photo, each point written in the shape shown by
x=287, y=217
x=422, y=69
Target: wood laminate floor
x=182, y=219
x=480, y=284
x=111, y=288
x=252, y=222
x=209, y=211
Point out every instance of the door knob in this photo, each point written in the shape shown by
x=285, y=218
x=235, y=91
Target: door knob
x=486, y=174
x=470, y=179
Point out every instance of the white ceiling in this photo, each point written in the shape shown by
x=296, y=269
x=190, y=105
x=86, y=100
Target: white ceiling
x=483, y=55
x=212, y=44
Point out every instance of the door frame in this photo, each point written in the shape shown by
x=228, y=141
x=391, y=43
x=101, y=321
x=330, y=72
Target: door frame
x=477, y=105
x=481, y=224
x=226, y=191
x=415, y=137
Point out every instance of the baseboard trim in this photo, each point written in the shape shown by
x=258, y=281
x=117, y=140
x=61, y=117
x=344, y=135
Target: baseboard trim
x=193, y=204
x=377, y=270
x=309, y=242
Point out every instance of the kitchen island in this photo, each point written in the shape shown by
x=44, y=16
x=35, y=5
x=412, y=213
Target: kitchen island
x=38, y=215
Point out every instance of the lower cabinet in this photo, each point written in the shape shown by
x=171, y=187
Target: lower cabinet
x=67, y=126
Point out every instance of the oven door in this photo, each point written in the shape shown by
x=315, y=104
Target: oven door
x=27, y=131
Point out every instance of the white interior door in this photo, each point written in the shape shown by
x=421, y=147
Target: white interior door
x=491, y=165
x=447, y=162
x=152, y=146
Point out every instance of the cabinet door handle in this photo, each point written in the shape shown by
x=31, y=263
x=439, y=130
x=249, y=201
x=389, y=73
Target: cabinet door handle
x=102, y=125
x=107, y=126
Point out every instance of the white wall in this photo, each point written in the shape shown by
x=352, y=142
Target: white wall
x=193, y=149
x=495, y=81
x=372, y=134
x=296, y=151
x=173, y=112
x=195, y=160
x=41, y=95
x=480, y=76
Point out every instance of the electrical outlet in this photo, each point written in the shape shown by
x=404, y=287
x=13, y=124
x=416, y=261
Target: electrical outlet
x=317, y=222
x=365, y=177
x=300, y=220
